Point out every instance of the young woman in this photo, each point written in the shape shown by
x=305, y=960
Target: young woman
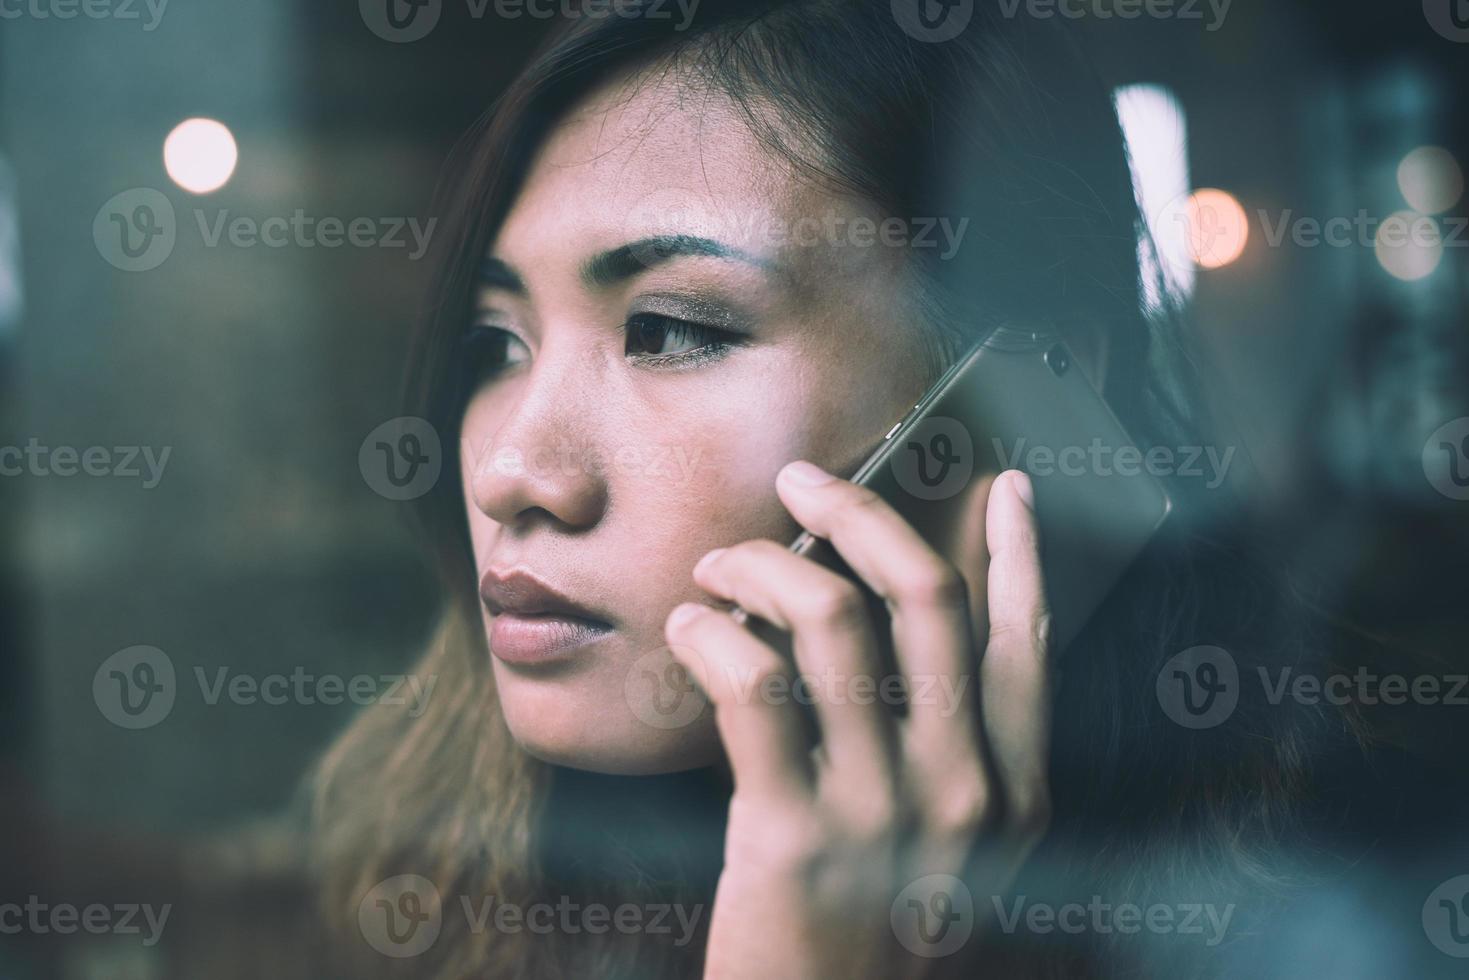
x=701, y=267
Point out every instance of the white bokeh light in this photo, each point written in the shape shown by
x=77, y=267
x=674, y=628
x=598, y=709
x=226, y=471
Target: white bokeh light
x=200, y=155
x=1431, y=179
x=1408, y=245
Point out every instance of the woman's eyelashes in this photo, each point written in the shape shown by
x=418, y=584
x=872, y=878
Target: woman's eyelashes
x=655, y=339
x=490, y=351
x=649, y=339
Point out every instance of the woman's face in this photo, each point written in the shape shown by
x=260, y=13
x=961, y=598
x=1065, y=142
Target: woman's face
x=667, y=317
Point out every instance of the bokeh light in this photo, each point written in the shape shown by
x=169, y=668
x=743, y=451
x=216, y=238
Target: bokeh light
x=1217, y=227
x=200, y=155
x=1431, y=179
x=1408, y=245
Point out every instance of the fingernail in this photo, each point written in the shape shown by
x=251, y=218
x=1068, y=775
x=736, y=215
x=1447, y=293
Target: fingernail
x=1024, y=490
x=708, y=560
x=804, y=474
x=684, y=613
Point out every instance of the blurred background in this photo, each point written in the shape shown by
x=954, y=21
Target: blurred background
x=212, y=220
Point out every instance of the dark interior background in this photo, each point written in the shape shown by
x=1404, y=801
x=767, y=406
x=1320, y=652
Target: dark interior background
x=263, y=549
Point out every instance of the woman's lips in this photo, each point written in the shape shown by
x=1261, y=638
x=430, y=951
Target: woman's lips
x=530, y=639
x=532, y=621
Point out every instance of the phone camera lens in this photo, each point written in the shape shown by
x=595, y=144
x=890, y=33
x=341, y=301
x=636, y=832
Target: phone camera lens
x=1058, y=360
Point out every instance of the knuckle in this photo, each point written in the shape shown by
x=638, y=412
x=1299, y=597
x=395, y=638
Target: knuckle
x=1031, y=815
x=875, y=819
x=764, y=672
x=1033, y=626
x=836, y=602
x=799, y=847
x=964, y=809
x=1041, y=629
x=935, y=582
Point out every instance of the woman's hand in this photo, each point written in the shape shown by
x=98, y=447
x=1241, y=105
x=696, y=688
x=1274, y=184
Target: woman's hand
x=821, y=844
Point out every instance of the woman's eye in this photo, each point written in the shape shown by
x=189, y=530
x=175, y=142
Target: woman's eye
x=489, y=351
x=652, y=335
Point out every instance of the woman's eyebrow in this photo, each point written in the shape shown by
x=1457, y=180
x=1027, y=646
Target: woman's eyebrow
x=625, y=261
x=498, y=274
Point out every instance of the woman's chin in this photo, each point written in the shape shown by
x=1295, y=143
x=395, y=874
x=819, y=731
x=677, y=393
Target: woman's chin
x=650, y=757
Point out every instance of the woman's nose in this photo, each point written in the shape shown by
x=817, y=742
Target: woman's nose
x=541, y=459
